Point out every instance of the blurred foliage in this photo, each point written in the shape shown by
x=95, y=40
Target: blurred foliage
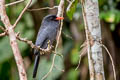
x=72, y=74
x=78, y=12
x=109, y=13
x=44, y=67
x=111, y=16
x=75, y=55
x=71, y=8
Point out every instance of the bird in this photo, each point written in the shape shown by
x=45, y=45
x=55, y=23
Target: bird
x=47, y=32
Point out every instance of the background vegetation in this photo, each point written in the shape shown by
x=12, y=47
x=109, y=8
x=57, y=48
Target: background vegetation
x=72, y=37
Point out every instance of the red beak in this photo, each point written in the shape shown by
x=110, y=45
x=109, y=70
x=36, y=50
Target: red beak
x=59, y=18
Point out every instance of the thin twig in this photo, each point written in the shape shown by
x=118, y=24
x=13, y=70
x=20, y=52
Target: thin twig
x=54, y=7
x=113, y=66
x=13, y=42
x=2, y=34
x=13, y=3
x=22, y=13
x=2, y=28
x=78, y=62
x=60, y=13
x=68, y=1
x=82, y=53
x=43, y=78
x=67, y=36
x=59, y=68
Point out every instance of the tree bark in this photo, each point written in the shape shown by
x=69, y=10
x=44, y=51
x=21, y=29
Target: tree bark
x=13, y=42
x=93, y=30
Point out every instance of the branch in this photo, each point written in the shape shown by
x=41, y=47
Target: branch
x=2, y=28
x=82, y=53
x=54, y=7
x=2, y=34
x=22, y=13
x=67, y=36
x=113, y=66
x=13, y=3
x=59, y=68
x=13, y=42
x=61, y=9
x=68, y=1
x=43, y=51
x=92, y=72
x=59, y=14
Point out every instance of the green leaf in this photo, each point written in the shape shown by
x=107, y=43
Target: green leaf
x=71, y=8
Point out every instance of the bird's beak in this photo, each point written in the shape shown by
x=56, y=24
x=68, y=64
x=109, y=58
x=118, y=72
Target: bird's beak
x=59, y=18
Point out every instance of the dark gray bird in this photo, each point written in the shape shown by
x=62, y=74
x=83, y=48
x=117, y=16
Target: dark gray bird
x=47, y=32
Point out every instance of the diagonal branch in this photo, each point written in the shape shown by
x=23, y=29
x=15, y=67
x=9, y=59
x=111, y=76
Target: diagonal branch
x=22, y=13
x=54, y=7
x=2, y=28
x=13, y=3
x=13, y=42
x=2, y=34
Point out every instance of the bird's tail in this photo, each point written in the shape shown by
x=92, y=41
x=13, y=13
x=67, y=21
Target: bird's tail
x=37, y=58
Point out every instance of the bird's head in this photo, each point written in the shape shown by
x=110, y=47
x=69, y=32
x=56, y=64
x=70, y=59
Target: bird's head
x=53, y=18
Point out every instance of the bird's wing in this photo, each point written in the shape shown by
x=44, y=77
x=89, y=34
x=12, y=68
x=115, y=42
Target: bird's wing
x=41, y=38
